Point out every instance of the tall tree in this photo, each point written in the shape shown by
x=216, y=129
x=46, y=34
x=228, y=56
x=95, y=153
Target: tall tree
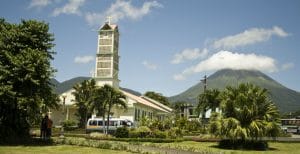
x=247, y=113
x=84, y=97
x=178, y=108
x=99, y=104
x=209, y=99
x=25, y=55
x=158, y=97
x=105, y=99
x=113, y=98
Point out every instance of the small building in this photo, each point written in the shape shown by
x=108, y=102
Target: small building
x=106, y=72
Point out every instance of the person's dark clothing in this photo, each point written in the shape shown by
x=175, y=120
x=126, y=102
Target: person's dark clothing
x=44, y=128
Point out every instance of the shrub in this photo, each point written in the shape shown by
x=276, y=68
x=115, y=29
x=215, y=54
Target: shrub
x=156, y=124
x=96, y=135
x=122, y=132
x=133, y=133
x=158, y=134
x=143, y=131
x=69, y=125
x=243, y=144
x=174, y=132
x=140, y=132
x=193, y=125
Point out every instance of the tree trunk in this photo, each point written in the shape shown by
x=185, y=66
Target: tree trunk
x=103, y=123
x=85, y=120
x=108, y=111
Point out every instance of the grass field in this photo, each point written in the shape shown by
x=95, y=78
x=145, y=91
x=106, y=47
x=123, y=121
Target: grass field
x=275, y=147
x=206, y=147
x=60, y=149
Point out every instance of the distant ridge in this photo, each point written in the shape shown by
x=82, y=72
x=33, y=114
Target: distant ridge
x=54, y=82
x=69, y=84
x=286, y=100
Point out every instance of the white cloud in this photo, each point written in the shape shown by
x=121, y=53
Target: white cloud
x=121, y=10
x=250, y=36
x=189, y=54
x=150, y=66
x=94, y=18
x=179, y=77
x=39, y=3
x=72, y=7
x=287, y=66
x=84, y=59
x=227, y=59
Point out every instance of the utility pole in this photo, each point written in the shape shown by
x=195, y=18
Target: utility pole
x=63, y=112
x=204, y=81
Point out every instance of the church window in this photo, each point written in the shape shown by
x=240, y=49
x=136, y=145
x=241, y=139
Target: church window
x=105, y=34
x=105, y=42
x=135, y=114
x=104, y=64
x=104, y=58
x=105, y=49
x=138, y=117
x=103, y=72
x=191, y=112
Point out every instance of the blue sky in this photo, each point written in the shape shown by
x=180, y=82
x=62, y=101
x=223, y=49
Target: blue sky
x=169, y=45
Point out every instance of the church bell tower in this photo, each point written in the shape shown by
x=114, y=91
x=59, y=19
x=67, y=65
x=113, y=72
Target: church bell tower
x=107, y=57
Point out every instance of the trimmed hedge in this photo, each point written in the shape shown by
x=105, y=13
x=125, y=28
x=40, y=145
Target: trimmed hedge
x=122, y=132
x=244, y=144
x=153, y=140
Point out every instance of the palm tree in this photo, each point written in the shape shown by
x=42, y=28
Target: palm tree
x=213, y=99
x=209, y=99
x=113, y=98
x=99, y=104
x=202, y=105
x=84, y=97
x=247, y=113
x=105, y=99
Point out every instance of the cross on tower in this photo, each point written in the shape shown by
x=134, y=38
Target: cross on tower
x=109, y=19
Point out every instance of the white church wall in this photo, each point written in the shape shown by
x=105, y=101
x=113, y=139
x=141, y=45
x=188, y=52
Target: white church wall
x=208, y=113
x=69, y=97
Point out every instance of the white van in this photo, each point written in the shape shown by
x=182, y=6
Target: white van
x=96, y=124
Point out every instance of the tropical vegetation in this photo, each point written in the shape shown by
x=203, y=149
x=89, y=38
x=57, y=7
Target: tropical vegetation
x=84, y=98
x=209, y=99
x=25, y=68
x=247, y=114
x=111, y=97
x=158, y=97
x=91, y=98
x=287, y=100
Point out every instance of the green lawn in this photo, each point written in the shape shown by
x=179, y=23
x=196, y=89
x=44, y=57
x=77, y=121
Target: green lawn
x=60, y=149
x=209, y=147
x=276, y=148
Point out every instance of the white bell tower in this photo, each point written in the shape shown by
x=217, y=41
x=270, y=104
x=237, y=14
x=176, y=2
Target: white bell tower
x=107, y=57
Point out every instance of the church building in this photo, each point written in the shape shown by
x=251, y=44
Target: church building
x=107, y=72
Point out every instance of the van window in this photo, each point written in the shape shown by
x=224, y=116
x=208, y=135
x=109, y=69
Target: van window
x=123, y=123
x=93, y=123
x=100, y=123
x=112, y=123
